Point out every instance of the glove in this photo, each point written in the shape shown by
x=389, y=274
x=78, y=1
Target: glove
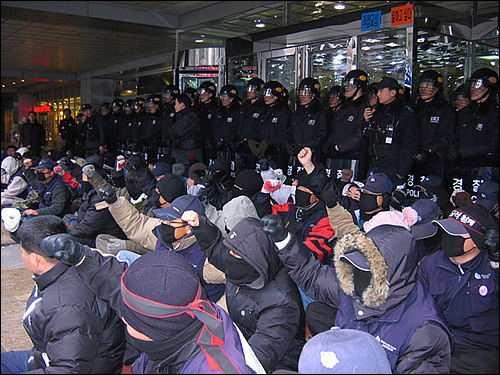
x=264, y=164
x=89, y=170
x=115, y=245
x=108, y=194
x=270, y=186
x=63, y=247
x=120, y=162
x=329, y=197
x=273, y=226
x=59, y=170
x=491, y=244
x=209, y=177
x=11, y=218
x=398, y=199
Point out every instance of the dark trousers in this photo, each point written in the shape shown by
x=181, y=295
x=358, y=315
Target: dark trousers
x=466, y=360
x=15, y=362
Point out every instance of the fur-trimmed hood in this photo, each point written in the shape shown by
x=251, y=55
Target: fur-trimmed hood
x=392, y=257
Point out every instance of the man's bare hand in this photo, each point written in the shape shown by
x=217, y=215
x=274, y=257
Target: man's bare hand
x=191, y=217
x=305, y=158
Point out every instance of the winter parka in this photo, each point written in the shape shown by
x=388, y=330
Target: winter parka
x=72, y=330
x=394, y=296
x=269, y=310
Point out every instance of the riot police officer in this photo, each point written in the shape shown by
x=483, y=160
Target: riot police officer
x=308, y=124
x=128, y=123
x=93, y=132
x=390, y=132
x=344, y=147
x=435, y=125
x=68, y=129
x=168, y=101
x=206, y=106
x=152, y=127
x=113, y=132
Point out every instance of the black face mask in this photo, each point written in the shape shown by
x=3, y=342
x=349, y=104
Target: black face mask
x=167, y=233
x=361, y=280
x=41, y=176
x=453, y=246
x=86, y=186
x=238, y=271
x=302, y=198
x=367, y=203
x=154, y=199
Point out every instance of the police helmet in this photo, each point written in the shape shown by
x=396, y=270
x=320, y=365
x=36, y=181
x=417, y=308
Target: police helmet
x=336, y=90
x=275, y=88
x=433, y=77
x=356, y=77
x=255, y=82
x=485, y=77
x=118, y=102
x=86, y=106
x=154, y=99
x=138, y=102
x=207, y=86
x=129, y=103
x=311, y=84
x=172, y=90
x=191, y=92
x=229, y=90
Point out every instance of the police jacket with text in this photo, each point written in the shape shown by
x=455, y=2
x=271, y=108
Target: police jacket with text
x=128, y=123
x=249, y=114
x=391, y=135
x=394, y=308
x=308, y=126
x=468, y=296
x=151, y=128
x=272, y=124
x=477, y=132
x=206, y=113
x=72, y=330
x=435, y=125
x=345, y=129
x=268, y=311
x=226, y=126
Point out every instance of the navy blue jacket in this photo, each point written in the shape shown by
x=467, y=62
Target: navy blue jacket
x=468, y=296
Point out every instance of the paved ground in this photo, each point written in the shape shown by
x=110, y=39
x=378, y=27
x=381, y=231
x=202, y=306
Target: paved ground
x=16, y=287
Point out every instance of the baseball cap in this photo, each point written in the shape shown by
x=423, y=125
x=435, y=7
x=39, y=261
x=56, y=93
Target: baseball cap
x=377, y=184
x=427, y=211
x=178, y=206
x=487, y=195
x=430, y=182
x=472, y=220
x=357, y=259
x=44, y=164
x=161, y=168
x=343, y=351
x=387, y=82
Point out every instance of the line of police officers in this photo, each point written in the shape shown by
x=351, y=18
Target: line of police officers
x=359, y=126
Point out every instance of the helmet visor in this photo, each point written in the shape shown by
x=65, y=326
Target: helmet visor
x=475, y=83
x=306, y=91
x=268, y=92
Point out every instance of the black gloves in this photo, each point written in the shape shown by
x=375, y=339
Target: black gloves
x=264, y=164
x=329, y=196
x=273, y=226
x=108, y=194
x=63, y=247
x=421, y=158
x=491, y=244
x=209, y=177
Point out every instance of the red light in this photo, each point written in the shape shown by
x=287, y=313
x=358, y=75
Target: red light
x=42, y=108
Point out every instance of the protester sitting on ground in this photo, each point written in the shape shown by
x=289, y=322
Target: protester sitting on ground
x=463, y=279
x=167, y=190
x=372, y=283
x=194, y=182
x=165, y=309
x=55, y=195
x=165, y=232
x=259, y=292
x=90, y=221
x=14, y=184
x=72, y=330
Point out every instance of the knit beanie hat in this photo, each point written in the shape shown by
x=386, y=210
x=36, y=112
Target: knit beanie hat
x=171, y=187
x=159, y=277
x=249, y=181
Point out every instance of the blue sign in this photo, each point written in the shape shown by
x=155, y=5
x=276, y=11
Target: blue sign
x=371, y=21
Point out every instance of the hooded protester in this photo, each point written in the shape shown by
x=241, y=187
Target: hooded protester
x=14, y=184
x=168, y=317
x=372, y=283
x=259, y=292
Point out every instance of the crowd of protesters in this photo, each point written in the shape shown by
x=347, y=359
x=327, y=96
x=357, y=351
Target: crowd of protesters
x=198, y=232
